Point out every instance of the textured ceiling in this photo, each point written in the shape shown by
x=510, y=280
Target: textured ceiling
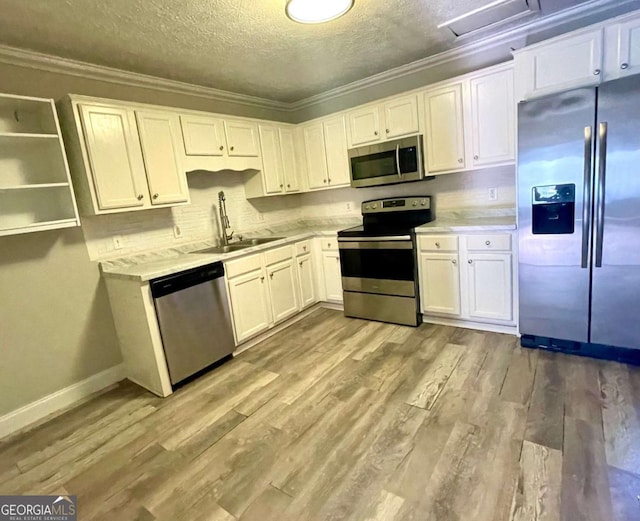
x=245, y=46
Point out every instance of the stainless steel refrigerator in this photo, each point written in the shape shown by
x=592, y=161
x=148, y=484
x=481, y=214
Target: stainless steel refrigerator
x=579, y=220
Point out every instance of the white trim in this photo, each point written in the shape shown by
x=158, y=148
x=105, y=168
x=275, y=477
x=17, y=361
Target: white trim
x=479, y=326
x=40, y=61
x=34, y=411
x=46, y=62
x=505, y=39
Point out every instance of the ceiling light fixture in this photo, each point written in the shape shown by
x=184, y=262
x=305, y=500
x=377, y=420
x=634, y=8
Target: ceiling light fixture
x=317, y=11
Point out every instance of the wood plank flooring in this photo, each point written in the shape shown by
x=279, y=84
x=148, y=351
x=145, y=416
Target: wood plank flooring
x=342, y=419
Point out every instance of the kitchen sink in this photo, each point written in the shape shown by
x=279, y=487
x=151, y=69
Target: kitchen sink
x=258, y=240
x=240, y=245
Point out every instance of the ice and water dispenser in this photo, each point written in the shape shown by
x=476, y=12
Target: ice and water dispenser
x=553, y=208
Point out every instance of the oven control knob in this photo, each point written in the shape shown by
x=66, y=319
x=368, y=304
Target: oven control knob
x=374, y=206
x=423, y=202
x=415, y=203
x=366, y=206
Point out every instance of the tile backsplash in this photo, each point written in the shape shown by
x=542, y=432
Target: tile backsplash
x=118, y=235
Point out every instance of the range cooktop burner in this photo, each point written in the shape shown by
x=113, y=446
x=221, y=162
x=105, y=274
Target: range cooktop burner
x=392, y=217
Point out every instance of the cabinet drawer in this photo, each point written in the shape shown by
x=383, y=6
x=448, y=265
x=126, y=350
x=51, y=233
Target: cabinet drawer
x=278, y=255
x=438, y=243
x=489, y=242
x=239, y=267
x=303, y=247
x=329, y=243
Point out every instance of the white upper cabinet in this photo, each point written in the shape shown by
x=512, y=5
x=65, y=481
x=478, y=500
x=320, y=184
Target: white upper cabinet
x=493, y=118
x=444, y=129
x=471, y=123
x=289, y=159
x=401, y=117
x=562, y=63
x=271, y=159
x=327, y=160
x=316, y=156
x=364, y=125
x=115, y=157
x=622, y=47
x=392, y=119
x=203, y=136
x=123, y=158
x=335, y=140
x=279, y=163
x=242, y=138
x=161, y=151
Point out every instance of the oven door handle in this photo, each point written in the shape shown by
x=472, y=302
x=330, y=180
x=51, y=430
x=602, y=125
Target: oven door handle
x=398, y=161
x=375, y=239
x=376, y=245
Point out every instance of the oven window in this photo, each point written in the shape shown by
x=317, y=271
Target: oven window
x=374, y=165
x=378, y=264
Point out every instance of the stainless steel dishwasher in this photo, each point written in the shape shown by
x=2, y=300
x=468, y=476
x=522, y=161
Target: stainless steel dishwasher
x=194, y=318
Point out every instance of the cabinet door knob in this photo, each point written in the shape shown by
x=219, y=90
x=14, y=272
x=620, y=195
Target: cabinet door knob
x=470, y=261
x=304, y=248
x=488, y=243
x=476, y=157
x=596, y=72
x=329, y=180
x=281, y=185
x=387, y=130
x=375, y=132
x=437, y=244
x=454, y=261
x=301, y=264
x=624, y=66
x=261, y=279
x=221, y=147
x=270, y=275
x=288, y=185
x=460, y=160
x=232, y=148
x=155, y=196
x=140, y=197
x=324, y=180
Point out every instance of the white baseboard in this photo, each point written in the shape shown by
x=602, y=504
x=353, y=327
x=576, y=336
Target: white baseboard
x=31, y=413
x=480, y=326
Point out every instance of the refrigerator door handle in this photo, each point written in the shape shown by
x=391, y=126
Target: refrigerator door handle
x=602, y=173
x=586, y=198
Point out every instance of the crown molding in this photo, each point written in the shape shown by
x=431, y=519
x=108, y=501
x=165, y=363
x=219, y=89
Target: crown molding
x=49, y=63
x=506, y=39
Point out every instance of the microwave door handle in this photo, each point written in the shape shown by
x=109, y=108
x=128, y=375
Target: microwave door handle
x=398, y=161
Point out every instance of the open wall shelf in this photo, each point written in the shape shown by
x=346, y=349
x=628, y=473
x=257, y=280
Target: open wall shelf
x=35, y=187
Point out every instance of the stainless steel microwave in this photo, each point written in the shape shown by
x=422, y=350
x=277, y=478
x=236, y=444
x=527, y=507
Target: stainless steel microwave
x=387, y=163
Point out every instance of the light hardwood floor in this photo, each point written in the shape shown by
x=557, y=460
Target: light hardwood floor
x=336, y=419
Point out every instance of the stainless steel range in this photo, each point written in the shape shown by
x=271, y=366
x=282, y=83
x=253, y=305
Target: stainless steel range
x=378, y=260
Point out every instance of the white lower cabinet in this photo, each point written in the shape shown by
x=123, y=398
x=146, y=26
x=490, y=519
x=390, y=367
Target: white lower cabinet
x=467, y=277
x=489, y=285
x=283, y=290
x=268, y=288
x=440, y=283
x=330, y=276
x=248, y=295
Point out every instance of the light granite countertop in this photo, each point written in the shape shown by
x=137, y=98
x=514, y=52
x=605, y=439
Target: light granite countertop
x=494, y=219
x=150, y=265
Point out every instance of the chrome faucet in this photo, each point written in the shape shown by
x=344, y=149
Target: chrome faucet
x=224, y=219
